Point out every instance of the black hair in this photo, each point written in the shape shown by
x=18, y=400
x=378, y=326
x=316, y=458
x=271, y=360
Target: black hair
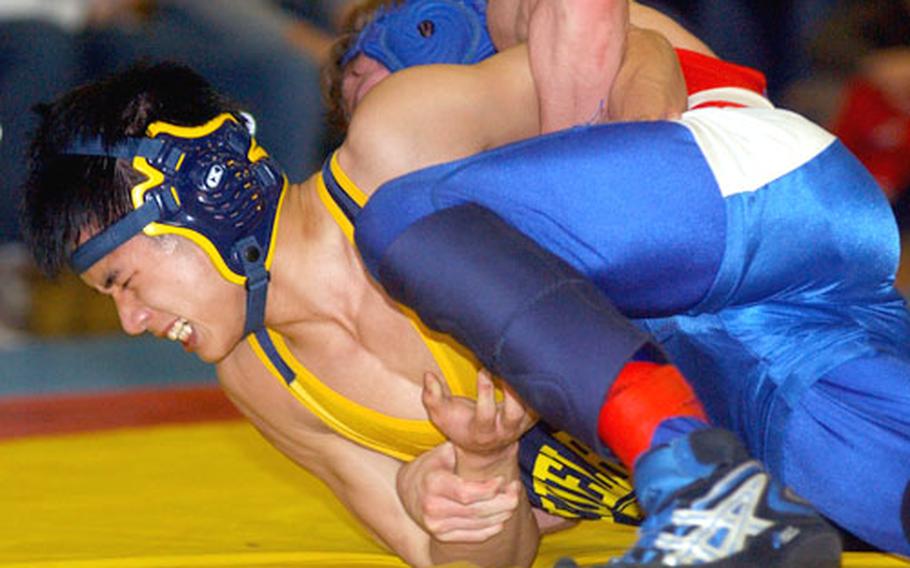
x=65, y=195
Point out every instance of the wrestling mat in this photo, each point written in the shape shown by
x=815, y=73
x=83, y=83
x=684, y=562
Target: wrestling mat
x=136, y=480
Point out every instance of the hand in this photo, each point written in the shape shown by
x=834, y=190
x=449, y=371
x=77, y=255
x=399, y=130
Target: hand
x=485, y=427
x=450, y=508
x=650, y=84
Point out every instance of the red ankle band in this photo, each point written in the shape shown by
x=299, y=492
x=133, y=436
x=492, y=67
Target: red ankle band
x=644, y=395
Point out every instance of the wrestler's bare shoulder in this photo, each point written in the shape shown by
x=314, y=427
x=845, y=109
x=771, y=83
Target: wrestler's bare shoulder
x=427, y=115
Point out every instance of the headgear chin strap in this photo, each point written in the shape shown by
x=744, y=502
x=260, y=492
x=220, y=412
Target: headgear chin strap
x=421, y=32
x=211, y=184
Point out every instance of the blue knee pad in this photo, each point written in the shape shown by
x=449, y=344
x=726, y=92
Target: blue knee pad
x=525, y=313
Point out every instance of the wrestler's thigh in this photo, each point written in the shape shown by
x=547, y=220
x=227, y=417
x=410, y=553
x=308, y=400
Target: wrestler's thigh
x=847, y=449
x=634, y=207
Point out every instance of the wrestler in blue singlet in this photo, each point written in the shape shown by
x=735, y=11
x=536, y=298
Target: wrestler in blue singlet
x=752, y=247
x=760, y=255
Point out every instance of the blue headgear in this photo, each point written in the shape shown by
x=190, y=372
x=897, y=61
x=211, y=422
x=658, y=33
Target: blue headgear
x=421, y=32
x=211, y=184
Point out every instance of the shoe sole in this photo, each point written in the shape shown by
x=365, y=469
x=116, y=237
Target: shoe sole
x=822, y=550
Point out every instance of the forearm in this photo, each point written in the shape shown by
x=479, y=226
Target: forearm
x=576, y=49
x=364, y=482
x=516, y=544
x=368, y=490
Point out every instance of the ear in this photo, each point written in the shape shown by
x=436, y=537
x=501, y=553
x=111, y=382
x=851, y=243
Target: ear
x=167, y=242
x=248, y=121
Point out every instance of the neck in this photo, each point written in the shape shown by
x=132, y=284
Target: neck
x=316, y=274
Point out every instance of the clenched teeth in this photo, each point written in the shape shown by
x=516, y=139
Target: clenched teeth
x=180, y=331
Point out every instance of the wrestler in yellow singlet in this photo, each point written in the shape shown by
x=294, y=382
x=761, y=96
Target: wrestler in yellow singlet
x=561, y=475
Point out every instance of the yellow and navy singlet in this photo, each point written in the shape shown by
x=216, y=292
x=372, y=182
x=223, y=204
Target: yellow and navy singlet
x=561, y=475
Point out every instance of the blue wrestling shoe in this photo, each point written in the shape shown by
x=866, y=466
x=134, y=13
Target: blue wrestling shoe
x=710, y=505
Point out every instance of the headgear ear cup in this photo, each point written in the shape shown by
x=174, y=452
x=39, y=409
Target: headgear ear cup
x=211, y=184
x=421, y=32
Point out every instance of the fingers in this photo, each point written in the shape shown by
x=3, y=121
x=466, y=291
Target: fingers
x=485, y=412
x=434, y=393
x=451, y=487
x=449, y=521
x=434, y=388
x=445, y=513
x=470, y=536
x=444, y=410
x=481, y=425
x=514, y=414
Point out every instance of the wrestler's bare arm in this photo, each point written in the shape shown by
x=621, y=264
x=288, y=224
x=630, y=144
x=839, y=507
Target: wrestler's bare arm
x=587, y=67
x=509, y=21
x=582, y=43
x=604, y=60
x=363, y=480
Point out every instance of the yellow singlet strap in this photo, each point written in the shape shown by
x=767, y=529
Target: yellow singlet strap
x=400, y=438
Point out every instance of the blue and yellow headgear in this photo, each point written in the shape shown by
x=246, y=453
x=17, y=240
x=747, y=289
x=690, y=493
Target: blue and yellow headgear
x=421, y=32
x=211, y=184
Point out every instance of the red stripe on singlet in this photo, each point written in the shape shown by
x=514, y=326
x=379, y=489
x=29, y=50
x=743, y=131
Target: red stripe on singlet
x=703, y=72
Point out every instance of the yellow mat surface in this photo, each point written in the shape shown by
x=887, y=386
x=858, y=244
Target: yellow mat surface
x=204, y=495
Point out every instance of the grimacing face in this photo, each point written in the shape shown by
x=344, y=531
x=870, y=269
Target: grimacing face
x=169, y=287
x=360, y=75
